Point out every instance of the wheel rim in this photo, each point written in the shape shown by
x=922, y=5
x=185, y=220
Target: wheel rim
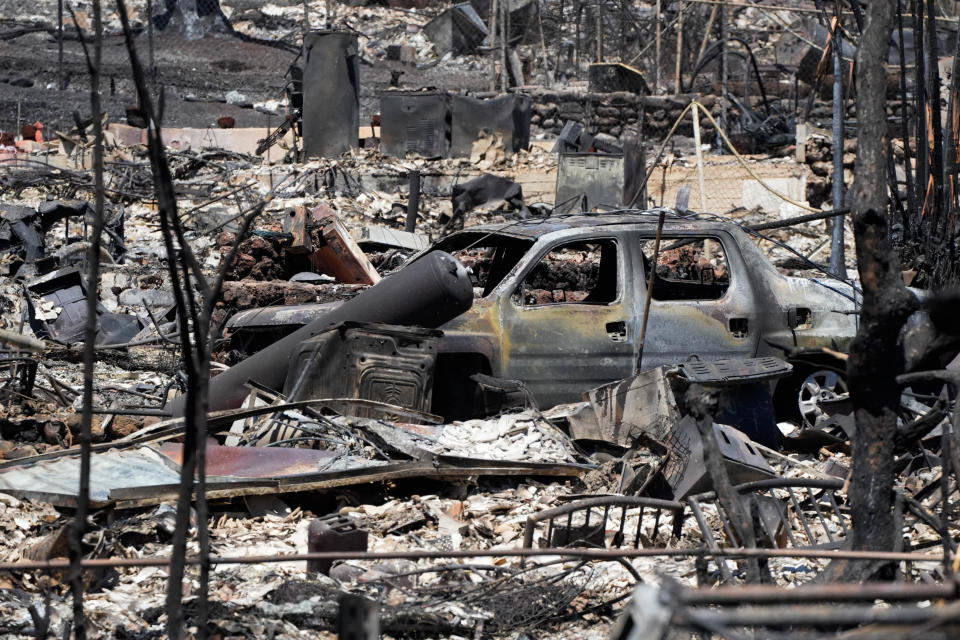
x=817, y=387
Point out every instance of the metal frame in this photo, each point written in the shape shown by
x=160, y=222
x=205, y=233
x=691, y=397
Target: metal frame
x=22, y=370
x=607, y=502
x=765, y=489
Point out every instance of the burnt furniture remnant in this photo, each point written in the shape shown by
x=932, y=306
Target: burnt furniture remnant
x=438, y=124
x=326, y=92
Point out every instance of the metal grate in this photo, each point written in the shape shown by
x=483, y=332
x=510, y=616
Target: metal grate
x=584, y=523
x=802, y=513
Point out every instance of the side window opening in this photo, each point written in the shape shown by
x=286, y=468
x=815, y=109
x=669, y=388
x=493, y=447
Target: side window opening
x=687, y=268
x=488, y=257
x=583, y=272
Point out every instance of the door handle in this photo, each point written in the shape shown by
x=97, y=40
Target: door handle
x=617, y=331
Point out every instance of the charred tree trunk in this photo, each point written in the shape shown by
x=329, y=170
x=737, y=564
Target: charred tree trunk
x=874, y=358
x=703, y=403
x=90, y=331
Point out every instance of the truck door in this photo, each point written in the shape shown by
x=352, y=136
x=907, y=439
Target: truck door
x=570, y=324
x=703, y=301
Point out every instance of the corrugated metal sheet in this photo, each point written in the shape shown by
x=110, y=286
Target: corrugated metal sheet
x=58, y=480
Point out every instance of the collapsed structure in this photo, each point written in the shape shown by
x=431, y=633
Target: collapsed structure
x=441, y=331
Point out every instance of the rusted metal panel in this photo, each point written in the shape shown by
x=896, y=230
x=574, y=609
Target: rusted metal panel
x=441, y=468
x=57, y=481
x=146, y=476
x=255, y=462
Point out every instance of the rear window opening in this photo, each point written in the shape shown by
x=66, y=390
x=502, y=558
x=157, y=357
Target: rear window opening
x=687, y=268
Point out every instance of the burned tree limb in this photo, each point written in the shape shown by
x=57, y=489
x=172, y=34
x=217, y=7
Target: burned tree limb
x=79, y=528
x=181, y=266
x=909, y=433
x=875, y=359
x=703, y=405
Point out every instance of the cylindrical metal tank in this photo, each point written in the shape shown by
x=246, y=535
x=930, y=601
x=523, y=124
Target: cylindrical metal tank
x=425, y=293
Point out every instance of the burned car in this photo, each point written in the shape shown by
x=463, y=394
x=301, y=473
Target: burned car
x=558, y=305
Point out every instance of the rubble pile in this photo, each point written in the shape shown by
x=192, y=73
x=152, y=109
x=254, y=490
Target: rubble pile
x=503, y=343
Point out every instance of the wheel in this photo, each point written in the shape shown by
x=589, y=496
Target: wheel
x=797, y=398
x=817, y=386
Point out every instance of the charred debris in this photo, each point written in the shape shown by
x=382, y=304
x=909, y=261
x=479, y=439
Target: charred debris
x=521, y=319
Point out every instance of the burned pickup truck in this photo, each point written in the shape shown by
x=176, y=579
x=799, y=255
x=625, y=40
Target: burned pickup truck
x=558, y=305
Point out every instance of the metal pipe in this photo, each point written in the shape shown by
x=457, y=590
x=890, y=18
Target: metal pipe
x=586, y=554
x=504, y=10
x=845, y=592
x=646, y=302
x=722, y=119
x=656, y=56
x=679, y=60
x=428, y=292
x=59, y=53
x=837, y=258
x=153, y=66
x=413, y=203
x=823, y=615
x=789, y=222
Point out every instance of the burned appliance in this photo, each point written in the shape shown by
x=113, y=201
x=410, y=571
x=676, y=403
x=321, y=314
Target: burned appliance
x=326, y=91
x=586, y=181
x=384, y=363
x=438, y=124
x=458, y=29
x=686, y=472
x=507, y=117
x=413, y=122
